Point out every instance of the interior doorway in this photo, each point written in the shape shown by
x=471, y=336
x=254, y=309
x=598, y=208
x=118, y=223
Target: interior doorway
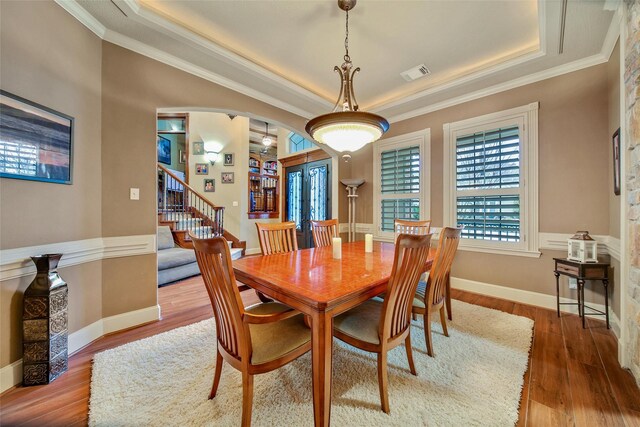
x=307, y=197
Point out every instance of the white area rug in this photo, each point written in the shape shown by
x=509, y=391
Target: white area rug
x=475, y=379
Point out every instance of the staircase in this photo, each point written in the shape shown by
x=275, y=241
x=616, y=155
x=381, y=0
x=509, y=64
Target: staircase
x=186, y=211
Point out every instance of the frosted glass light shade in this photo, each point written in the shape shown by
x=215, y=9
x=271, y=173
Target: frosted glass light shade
x=347, y=130
x=211, y=156
x=266, y=141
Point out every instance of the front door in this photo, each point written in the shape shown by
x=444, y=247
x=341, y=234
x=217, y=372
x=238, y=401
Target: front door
x=308, y=197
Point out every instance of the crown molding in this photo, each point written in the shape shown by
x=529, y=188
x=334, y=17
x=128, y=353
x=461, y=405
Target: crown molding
x=174, y=30
x=83, y=16
x=151, y=18
x=161, y=56
x=570, y=67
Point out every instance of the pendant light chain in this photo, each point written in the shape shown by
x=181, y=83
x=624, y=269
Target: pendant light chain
x=347, y=58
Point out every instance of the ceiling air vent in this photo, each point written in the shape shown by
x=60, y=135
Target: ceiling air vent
x=415, y=73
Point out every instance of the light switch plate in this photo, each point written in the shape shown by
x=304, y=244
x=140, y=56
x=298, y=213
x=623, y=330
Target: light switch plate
x=134, y=193
x=235, y=203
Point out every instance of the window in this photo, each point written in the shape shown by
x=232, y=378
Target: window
x=298, y=143
x=490, y=181
x=401, y=181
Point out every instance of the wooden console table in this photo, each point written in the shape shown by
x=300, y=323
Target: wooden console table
x=582, y=271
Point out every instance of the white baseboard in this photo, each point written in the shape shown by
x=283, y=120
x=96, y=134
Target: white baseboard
x=253, y=251
x=11, y=375
x=531, y=298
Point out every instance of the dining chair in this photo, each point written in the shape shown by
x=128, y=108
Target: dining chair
x=403, y=226
x=378, y=326
x=253, y=340
x=324, y=231
x=431, y=295
x=276, y=238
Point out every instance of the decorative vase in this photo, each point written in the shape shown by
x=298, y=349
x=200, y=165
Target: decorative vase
x=44, y=323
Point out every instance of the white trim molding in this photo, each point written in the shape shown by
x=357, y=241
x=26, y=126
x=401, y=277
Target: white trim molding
x=16, y=262
x=526, y=118
x=361, y=228
x=607, y=245
x=530, y=298
x=421, y=139
x=11, y=375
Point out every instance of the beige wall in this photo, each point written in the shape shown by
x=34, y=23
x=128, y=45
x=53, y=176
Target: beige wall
x=48, y=57
x=134, y=87
x=574, y=145
x=58, y=66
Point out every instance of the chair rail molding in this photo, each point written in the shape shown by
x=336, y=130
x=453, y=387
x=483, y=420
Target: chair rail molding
x=607, y=245
x=16, y=262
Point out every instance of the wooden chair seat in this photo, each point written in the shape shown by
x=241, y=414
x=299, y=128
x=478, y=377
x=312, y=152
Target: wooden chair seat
x=361, y=322
x=271, y=341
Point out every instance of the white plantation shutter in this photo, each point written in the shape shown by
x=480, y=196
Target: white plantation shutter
x=399, y=177
x=488, y=184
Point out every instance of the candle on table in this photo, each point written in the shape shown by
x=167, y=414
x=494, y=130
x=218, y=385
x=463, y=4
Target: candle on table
x=337, y=247
x=368, y=242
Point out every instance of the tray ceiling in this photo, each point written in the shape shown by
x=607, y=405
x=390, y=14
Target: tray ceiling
x=283, y=52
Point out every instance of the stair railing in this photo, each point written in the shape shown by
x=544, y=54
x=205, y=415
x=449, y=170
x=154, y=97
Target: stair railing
x=191, y=211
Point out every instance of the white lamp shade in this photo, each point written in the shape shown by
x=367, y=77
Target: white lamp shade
x=347, y=136
x=211, y=156
x=267, y=141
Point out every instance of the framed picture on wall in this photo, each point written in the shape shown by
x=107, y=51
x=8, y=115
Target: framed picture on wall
x=228, y=159
x=616, y=162
x=164, y=150
x=227, y=177
x=198, y=148
x=36, y=142
x=183, y=157
x=209, y=185
x=202, y=169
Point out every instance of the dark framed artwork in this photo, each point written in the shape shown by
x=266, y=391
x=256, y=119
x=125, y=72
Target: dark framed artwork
x=209, y=185
x=164, y=150
x=227, y=177
x=36, y=142
x=198, y=148
x=228, y=159
x=202, y=169
x=616, y=162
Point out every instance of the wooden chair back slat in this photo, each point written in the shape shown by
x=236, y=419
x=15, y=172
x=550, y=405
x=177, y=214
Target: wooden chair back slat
x=324, y=232
x=441, y=268
x=403, y=226
x=214, y=261
x=276, y=238
x=410, y=259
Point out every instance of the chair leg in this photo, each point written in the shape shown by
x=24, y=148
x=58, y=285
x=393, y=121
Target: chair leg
x=383, y=380
x=407, y=346
x=443, y=320
x=448, y=298
x=216, y=377
x=427, y=332
x=247, y=398
x=263, y=297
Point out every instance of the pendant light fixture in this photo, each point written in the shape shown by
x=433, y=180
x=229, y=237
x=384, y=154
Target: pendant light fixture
x=266, y=139
x=347, y=128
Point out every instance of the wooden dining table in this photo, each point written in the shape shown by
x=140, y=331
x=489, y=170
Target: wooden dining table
x=313, y=282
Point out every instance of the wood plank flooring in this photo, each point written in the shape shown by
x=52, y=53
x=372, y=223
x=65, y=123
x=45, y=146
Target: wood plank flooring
x=573, y=376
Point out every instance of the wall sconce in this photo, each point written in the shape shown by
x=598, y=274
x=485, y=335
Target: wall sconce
x=212, y=156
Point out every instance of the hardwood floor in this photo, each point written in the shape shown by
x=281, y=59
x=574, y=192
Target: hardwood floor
x=573, y=376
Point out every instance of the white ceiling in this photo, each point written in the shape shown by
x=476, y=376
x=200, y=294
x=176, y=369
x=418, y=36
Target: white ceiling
x=283, y=52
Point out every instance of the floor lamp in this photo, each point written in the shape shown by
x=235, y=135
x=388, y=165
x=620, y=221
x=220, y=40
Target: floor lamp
x=352, y=188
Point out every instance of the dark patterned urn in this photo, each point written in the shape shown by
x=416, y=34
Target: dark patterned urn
x=44, y=323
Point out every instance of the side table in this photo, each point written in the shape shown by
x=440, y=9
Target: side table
x=582, y=271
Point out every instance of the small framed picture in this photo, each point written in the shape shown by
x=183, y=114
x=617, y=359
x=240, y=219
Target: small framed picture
x=228, y=159
x=198, y=148
x=182, y=157
x=202, y=169
x=209, y=185
x=226, y=177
